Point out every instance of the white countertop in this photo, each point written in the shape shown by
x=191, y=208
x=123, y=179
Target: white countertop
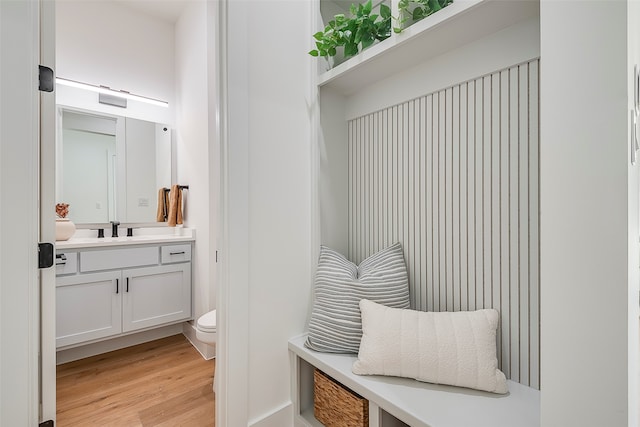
x=84, y=238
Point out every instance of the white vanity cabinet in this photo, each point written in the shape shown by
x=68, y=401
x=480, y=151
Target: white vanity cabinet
x=108, y=292
x=156, y=296
x=88, y=307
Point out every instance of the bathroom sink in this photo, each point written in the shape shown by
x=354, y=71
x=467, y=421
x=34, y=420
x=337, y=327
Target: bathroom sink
x=167, y=235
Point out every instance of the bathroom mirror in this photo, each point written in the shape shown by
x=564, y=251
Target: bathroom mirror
x=110, y=168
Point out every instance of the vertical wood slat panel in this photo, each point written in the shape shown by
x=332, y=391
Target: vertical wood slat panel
x=514, y=282
x=422, y=193
x=505, y=301
x=413, y=212
x=355, y=196
x=442, y=202
x=448, y=197
x=471, y=191
x=430, y=279
x=352, y=194
x=454, y=177
x=366, y=181
x=487, y=236
x=394, y=174
x=534, y=230
x=463, y=196
x=435, y=202
x=523, y=220
x=373, y=185
x=455, y=198
x=478, y=194
x=496, y=141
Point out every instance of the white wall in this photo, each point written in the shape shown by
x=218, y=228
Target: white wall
x=589, y=218
x=513, y=45
x=193, y=147
x=106, y=43
x=268, y=212
x=633, y=362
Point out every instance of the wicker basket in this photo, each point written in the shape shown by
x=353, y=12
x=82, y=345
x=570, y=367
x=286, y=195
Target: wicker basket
x=337, y=406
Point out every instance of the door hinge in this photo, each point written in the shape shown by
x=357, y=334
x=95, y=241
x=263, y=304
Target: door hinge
x=45, y=255
x=47, y=80
x=48, y=423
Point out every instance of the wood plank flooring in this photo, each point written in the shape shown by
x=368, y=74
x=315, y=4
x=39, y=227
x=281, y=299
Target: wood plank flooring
x=160, y=383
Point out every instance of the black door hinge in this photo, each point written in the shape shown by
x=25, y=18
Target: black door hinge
x=47, y=80
x=45, y=255
x=48, y=423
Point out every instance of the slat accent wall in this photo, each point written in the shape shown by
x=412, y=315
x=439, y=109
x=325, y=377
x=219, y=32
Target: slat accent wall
x=453, y=175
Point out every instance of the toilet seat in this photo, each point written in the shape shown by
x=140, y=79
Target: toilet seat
x=207, y=322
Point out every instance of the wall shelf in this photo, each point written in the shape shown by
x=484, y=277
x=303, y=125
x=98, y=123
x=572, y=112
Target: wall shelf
x=460, y=23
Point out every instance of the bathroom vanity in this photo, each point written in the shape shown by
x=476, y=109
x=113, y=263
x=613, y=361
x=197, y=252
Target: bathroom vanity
x=111, y=287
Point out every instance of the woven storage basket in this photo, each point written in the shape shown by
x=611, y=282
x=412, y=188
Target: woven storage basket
x=337, y=406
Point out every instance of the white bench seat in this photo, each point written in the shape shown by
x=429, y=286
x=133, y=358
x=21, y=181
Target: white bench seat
x=412, y=402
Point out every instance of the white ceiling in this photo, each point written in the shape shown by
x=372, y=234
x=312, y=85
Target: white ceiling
x=167, y=10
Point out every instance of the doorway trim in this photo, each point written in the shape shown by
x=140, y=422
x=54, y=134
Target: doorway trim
x=48, y=118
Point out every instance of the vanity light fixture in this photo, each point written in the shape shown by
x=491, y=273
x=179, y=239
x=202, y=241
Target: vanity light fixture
x=108, y=91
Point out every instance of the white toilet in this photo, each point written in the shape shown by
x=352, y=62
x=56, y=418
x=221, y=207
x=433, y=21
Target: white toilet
x=206, y=331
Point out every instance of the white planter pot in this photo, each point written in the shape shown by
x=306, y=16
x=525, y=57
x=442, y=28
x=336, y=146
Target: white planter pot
x=64, y=229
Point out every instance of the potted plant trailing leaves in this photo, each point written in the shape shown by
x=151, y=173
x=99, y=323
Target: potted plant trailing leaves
x=415, y=10
x=363, y=28
x=355, y=33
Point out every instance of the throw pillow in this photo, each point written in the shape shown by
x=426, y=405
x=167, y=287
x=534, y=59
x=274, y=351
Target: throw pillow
x=454, y=348
x=335, y=325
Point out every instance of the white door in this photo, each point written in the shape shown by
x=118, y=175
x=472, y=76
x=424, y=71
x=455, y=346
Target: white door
x=19, y=213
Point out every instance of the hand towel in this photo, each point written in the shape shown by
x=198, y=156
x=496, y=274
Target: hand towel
x=175, y=206
x=163, y=203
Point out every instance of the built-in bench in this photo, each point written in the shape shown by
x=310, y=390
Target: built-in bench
x=400, y=401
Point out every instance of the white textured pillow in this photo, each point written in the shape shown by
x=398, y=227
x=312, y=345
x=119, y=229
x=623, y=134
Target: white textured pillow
x=455, y=348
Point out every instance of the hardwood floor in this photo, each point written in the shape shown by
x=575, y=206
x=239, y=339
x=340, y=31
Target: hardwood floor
x=160, y=383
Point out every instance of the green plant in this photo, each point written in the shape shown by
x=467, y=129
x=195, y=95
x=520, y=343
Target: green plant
x=417, y=10
x=355, y=33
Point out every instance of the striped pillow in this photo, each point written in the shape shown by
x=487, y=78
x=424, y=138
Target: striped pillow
x=335, y=325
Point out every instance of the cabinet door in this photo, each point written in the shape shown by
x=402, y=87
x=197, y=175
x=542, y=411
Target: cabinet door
x=88, y=307
x=155, y=296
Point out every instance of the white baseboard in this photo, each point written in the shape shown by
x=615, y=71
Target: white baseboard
x=88, y=350
x=279, y=417
x=207, y=351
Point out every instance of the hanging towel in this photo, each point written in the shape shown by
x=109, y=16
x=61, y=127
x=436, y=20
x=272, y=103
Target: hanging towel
x=163, y=205
x=175, y=206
